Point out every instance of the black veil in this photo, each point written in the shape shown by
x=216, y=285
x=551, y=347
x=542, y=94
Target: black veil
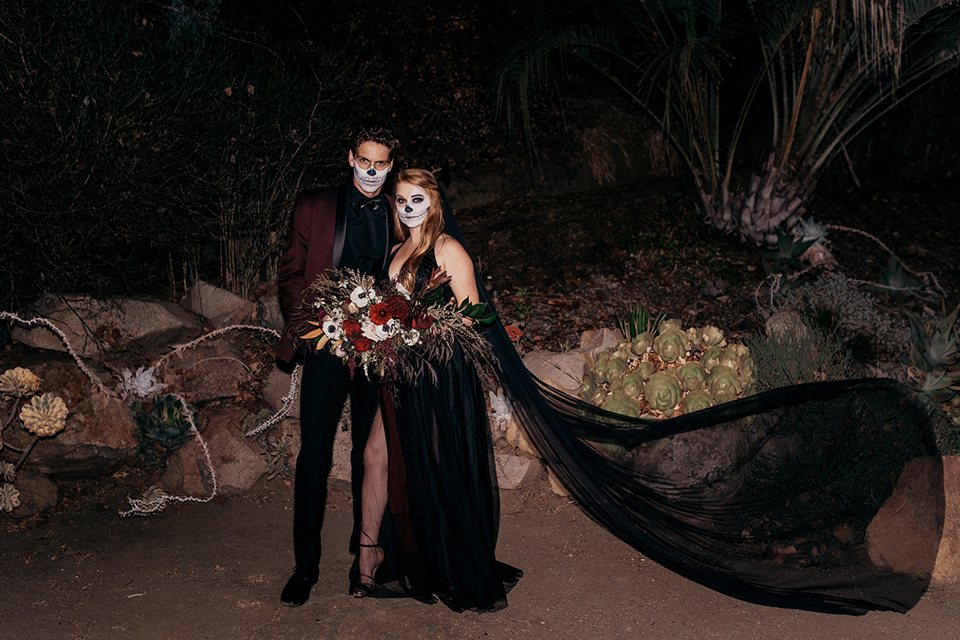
x=784, y=524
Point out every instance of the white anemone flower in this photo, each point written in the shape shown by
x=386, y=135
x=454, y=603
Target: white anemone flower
x=360, y=297
x=403, y=290
x=332, y=328
x=411, y=337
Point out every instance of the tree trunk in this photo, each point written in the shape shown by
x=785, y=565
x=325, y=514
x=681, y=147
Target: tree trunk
x=774, y=201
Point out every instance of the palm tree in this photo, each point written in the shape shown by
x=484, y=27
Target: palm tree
x=830, y=68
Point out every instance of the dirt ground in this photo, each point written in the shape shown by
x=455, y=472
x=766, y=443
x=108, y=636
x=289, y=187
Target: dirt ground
x=215, y=570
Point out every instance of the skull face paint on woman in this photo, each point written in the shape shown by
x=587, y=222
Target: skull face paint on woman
x=412, y=204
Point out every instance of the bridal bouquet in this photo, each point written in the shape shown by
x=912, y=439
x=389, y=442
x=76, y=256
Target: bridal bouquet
x=389, y=331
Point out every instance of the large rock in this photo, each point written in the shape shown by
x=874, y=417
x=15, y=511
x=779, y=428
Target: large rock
x=220, y=307
x=918, y=529
x=93, y=326
x=38, y=494
x=563, y=371
x=268, y=313
x=696, y=459
x=236, y=460
x=99, y=435
x=210, y=371
x=514, y=471
x=276, y=388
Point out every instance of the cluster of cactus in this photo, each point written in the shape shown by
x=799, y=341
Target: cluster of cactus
x=162, y=429
x=669, y=372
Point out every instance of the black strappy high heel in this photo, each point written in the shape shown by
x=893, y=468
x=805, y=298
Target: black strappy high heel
x=360, y=589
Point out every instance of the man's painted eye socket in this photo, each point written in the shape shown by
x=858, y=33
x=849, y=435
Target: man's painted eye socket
x=379, y=165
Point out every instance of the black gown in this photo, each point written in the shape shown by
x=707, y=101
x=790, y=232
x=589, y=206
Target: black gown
x=440, y=532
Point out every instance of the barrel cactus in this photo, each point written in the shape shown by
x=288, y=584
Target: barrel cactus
x=671, y=372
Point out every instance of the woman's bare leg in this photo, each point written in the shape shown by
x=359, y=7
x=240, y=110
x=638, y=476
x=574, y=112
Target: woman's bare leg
x=374, y=497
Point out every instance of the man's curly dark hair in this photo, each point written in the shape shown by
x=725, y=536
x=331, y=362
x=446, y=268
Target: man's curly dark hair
x=371, y=131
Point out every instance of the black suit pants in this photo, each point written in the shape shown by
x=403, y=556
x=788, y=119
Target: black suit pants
x=323, y=389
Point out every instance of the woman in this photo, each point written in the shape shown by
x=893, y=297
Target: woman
x=821, y=458
x=440, y=533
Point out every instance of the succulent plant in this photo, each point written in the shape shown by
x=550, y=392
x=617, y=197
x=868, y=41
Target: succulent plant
x=7, y=471
x=663, y=393
x=44, y=415
x=710, y=336
x=19, y=383
x=642, y=344
x=610, y=368
x=619, y=402
x=140, y=384
x=9, y=497
x=723, y=383
x=692, y=375
x=697, y=400
x=631, y=384
x=669, y=373
x=162, y=430
x=711, y=358
x=671, y=345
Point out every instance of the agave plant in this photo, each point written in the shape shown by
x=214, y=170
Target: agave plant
x=162, y=430
x=673, y=372
x=935, y=356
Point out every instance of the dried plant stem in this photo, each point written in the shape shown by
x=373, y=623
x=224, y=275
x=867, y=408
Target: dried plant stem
x=288, y=401
x=207, y=336
x=141, y=507
x=26, y=452
x=94, y=378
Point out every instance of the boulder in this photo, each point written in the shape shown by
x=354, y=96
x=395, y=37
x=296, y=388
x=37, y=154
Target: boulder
x=38, y=494
x=787, y=324
x=562, y=371
x=514, y=471
x=92, y=326
x=268, y=313
x=917, y=530
x=213, y=370
x=218, y=306
x=275, y=388
x=595, y=340
x=236, y=460
x=556, y=485
x=692, y=460
x=98, y=438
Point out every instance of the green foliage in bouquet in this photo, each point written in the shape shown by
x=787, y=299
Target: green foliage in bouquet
x=669, y=373
x=161, y=429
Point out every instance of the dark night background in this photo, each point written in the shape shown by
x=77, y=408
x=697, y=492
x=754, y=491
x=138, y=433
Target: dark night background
x=140, y=154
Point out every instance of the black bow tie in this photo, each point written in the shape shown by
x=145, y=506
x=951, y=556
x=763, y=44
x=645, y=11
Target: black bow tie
x=372, y=203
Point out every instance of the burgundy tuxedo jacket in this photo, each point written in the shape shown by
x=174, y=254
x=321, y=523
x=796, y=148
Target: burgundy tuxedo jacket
x=315, y=244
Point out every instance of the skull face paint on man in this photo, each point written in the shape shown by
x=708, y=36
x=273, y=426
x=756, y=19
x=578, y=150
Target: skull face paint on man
x=371, y=165
x=412, y=204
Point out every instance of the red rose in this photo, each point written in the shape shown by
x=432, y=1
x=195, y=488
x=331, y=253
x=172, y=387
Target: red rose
x=352, y=328
x=398, y=307
x=379, y=314
x=362, y=343
x=424, y=321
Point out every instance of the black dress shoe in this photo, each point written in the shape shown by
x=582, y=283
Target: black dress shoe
x=296, y=592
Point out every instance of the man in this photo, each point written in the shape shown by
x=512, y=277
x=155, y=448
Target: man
x=338, y=227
